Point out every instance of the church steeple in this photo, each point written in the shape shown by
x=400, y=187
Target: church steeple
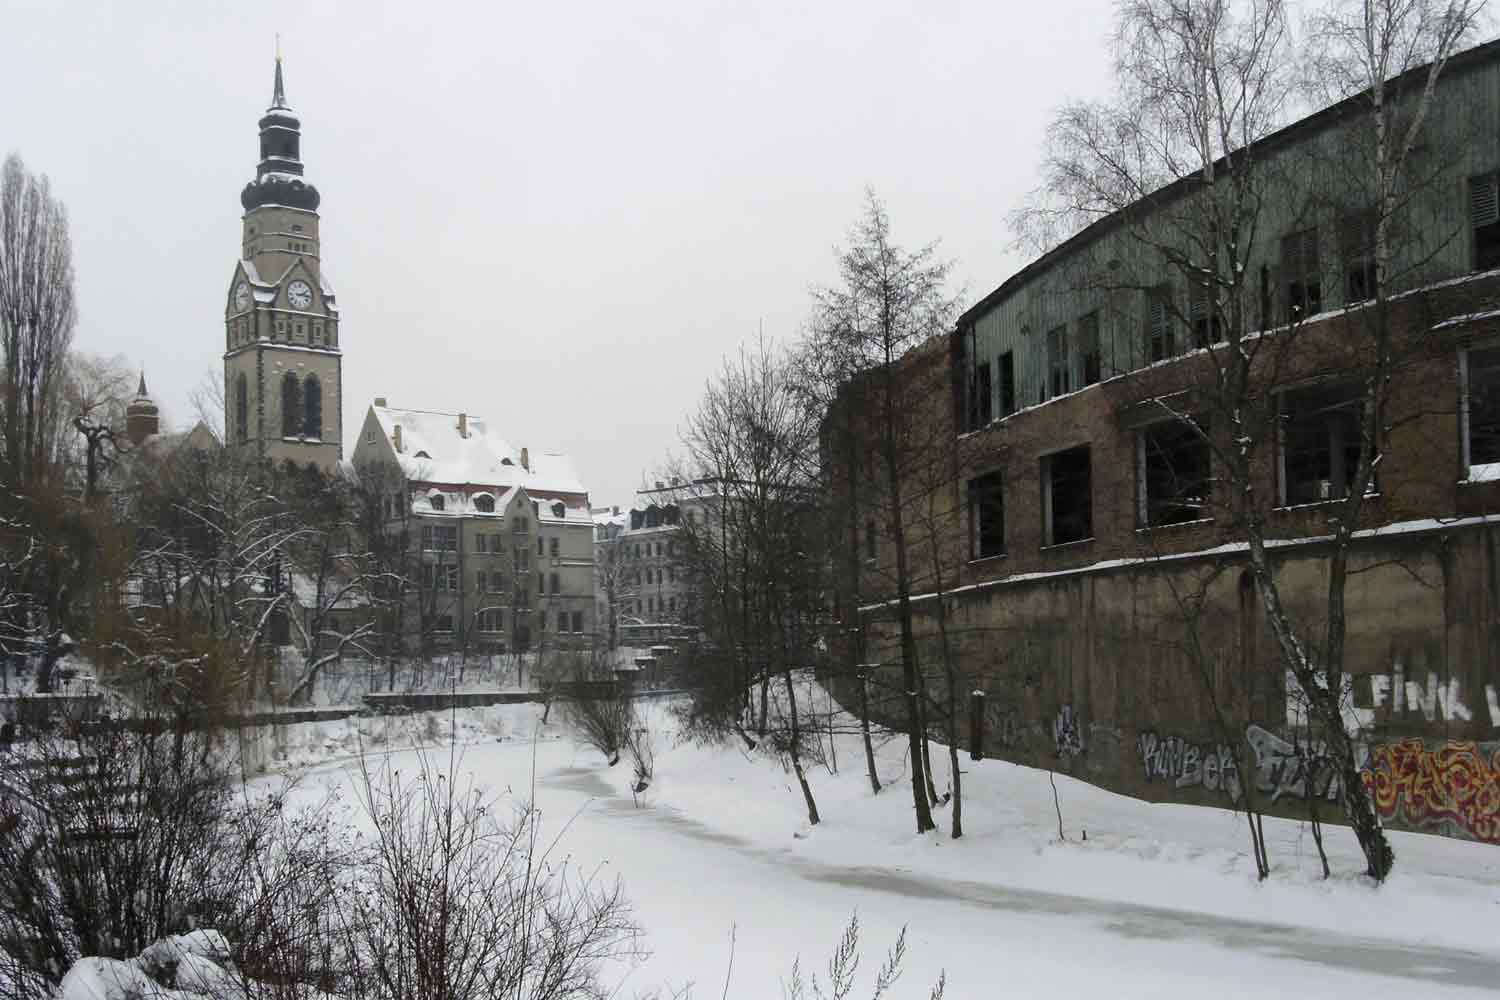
x=278, y=176
x=282, y=357
x=278, y=95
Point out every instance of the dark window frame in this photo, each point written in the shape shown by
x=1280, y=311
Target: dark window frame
x=1161, y=334
x=1301, y=274
x=1484, y=220
x=986, y=510
x=1481, y=409
x=1059, y=376
x=1006, y=364
x=1090, y=367
x=1318, y=441
x=1067, y=496
x=1174, y=473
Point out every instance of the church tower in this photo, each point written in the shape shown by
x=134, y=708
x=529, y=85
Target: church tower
x=282, y=375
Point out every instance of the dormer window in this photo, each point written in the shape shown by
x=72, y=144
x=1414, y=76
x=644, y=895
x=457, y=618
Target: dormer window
x=436, y=501
x=484, y=503
x=559, y=510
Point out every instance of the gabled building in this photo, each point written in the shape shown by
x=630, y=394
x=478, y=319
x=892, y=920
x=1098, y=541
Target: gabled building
x=500, y=539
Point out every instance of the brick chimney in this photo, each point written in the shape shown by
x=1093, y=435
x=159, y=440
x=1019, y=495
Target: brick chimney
x=463, y=425
x=380, y=401
x=525, y=459
x=396, y=438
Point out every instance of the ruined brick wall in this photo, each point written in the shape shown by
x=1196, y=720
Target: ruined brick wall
x=1096, y=674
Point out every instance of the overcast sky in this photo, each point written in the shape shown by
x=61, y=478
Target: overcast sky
x=560, y=216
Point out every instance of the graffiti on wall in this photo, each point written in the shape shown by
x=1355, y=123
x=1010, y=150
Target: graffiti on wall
x=1187, y=764
x=1456, y=785
x=1291, y=768
x=1067, y=734
x=1404, y=693
x=1281, y=768
x=1006, y=726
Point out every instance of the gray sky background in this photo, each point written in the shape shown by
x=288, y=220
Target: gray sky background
x=559, y=216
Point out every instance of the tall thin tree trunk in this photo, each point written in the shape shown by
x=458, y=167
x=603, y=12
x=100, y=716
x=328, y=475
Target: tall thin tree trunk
x=796, y=752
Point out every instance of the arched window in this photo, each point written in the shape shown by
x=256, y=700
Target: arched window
x=291, y=405
x=241, y=409
x=484, y=503
x=312, y=408
x=436, y=501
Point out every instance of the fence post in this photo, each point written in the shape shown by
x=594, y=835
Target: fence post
x=976, y=726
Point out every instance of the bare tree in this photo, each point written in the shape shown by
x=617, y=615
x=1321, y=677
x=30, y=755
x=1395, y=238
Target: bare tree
x=36, y=317
x=754, y=434
x=890, y=301
x=97, y=392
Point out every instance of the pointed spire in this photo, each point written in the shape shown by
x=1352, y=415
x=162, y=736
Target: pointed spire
x=278, y=95
x=141, y=392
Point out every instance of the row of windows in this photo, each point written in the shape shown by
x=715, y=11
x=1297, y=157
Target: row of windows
x=301, y=407
x=439, y=537
x=654, y=576
x=493, y=620
x=1317, y=456
x=653, y=550
x=651, y=605
x=445, y=579
x=242, y=332
x=1073, y=358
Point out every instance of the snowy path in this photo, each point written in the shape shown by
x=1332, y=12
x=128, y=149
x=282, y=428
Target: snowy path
x=693, y=883
x=1280, y=942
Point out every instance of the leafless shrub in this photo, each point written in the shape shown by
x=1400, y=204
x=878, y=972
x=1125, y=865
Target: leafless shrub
x=604, y=720
x=451, y=902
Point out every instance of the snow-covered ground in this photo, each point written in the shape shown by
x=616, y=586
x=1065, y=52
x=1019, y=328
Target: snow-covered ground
x=1159, y=901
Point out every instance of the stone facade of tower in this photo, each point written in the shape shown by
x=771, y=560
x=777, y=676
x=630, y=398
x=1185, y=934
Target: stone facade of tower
x=282, y=361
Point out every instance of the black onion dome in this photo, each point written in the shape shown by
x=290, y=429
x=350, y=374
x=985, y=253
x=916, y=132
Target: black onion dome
x=280, y=189
x=285, y=117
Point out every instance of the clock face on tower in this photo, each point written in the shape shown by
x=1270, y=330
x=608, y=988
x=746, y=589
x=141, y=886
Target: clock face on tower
x=242, y=296
x=299, y=294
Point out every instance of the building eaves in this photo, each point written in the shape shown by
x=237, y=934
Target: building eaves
x=1469, y=59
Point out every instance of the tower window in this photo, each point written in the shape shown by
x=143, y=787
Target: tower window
x=241, y=409
x=312, y=408
x=291, y=405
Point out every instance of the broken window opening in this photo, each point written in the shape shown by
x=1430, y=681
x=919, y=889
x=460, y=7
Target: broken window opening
x=1159, y=337
x=1481, y=367
x=986, y=516
x=1007, y=383
x=1301, y=277
x=1057, y=361
x=1320, y=441
x=1173, y=468
x=1067, y=499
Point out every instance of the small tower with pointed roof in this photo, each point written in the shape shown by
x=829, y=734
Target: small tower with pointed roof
x=142, y=420
x=282, y=355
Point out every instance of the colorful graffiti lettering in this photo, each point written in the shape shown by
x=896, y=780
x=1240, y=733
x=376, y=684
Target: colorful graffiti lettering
x=1187, y=764
x=1457, y=784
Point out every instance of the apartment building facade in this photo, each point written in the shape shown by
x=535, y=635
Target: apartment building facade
x=501, y=554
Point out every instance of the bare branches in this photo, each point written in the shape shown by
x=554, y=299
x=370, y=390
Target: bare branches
x=36, y=317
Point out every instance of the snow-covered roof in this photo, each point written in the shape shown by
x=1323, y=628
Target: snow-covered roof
x=610, y=515
x=432, y=450
x=461, y=504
